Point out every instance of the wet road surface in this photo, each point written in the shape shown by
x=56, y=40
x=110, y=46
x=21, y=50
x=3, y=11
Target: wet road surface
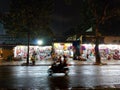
x=36, y=77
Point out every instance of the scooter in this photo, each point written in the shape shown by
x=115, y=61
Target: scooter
x=57, y=68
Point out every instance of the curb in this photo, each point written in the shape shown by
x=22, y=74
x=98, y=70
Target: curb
x=68, y=65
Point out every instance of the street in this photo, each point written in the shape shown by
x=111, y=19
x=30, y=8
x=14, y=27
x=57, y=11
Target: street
x=36, y=77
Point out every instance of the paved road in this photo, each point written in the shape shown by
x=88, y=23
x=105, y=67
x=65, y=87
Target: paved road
x=36, y=77
x=49, y=61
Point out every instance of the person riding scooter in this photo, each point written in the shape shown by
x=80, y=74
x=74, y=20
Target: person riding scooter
x=59, y=66
x=65, y=62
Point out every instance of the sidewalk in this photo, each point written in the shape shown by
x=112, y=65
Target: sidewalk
x=49, y=62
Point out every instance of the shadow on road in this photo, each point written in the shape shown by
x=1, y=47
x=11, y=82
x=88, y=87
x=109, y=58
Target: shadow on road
x=58, y=82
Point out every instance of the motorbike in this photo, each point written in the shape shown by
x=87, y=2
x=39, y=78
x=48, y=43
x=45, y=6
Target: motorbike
x=57, y=68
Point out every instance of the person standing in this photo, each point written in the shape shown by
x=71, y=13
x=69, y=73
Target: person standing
x=33, y=58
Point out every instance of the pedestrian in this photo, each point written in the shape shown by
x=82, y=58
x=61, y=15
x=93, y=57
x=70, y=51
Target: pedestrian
x=33, y=58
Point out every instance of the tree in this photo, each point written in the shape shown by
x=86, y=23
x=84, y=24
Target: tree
x=95, y=14
x=34, y=16
x=29, y=19
x=102, y=11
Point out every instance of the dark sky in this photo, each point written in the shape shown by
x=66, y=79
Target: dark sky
x=4, y=5
x=66, y=14
x=64, y=17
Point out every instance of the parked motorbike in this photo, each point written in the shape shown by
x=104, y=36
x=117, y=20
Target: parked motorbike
x=57, y=68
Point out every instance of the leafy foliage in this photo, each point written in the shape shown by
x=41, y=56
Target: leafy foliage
x=31, y=16
x=95, y=14
x=104, y=11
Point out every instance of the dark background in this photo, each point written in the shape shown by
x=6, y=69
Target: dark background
x=66, y=15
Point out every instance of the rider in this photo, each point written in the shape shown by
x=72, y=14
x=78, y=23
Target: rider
x=61, y=63
x=57, y=64
x=65, y=61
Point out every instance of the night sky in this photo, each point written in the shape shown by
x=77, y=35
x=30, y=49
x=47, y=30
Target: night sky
x=65, y=16
x=4, y=5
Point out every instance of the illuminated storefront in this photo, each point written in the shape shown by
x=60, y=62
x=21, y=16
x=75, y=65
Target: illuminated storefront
x=63, y=49
x=42, y=52
x=107, y=51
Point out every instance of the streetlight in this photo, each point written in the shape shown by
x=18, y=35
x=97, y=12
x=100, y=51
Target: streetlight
x=39, y=42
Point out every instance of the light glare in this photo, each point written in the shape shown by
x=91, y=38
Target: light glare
x=40, y=42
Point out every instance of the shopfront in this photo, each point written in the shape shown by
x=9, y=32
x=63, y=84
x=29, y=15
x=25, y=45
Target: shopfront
x=42, y=52
x=107, y=51
x=63, y=49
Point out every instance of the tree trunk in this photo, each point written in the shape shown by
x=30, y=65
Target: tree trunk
x=28, y=48
x=97, y=54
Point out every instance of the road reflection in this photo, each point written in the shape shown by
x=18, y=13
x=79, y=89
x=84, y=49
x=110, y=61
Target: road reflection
x=58, y=82
x=6, y=72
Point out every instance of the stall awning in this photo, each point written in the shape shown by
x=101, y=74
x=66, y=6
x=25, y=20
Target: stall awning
x=112, y=40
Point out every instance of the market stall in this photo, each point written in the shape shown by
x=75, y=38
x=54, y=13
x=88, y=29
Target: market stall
x=107, y=51
x=42, y=52
x=63, y=49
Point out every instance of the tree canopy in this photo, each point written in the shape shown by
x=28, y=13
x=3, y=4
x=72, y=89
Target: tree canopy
x=104, y=11
x=97, y=13
x=31, y=16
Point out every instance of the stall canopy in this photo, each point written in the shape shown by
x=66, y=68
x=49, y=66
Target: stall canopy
x=111, y=40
